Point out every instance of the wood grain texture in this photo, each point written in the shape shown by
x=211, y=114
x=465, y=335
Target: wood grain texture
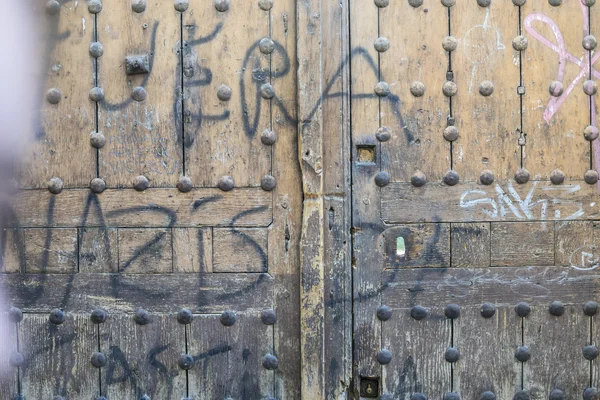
x=98, y=250
x=554, y=126
x=577, y=244
x=416, y=123
x=142, y=137
x=522, y=243
x=470, y=244
x=240, y=250
x=9, y=377
x=425, y=245
x=50, y=250
x=12, y=250
x=487, y=125
x=145, y=251
x=192, y=250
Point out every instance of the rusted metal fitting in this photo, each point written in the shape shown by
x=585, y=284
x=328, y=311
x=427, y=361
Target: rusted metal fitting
x=449, y=43
x=382, y=89
x=55, y=185
x=417, y=89
x=97, y=185
x=142, y=317
x=488, y=310
x=382, y=3
x=590, y=352
x=267, y=91
x=520, y=43
x=384, y=313
x=97, y=140
x=15, y=315
x=383, y=134
x=451, y=355
x=99, y=316
x=185, y=362
x=384, y=357
x=98, y=359
x=589, y=42
x=138, y=6
x=265, y=5
x=96, y=49
x=522, y=395
x=94, y=6
x=590, y=133
x=53, y=96
x=224, y=93
x=451, y=133
x=451, y=396
x=226, y=183
x=555, y=3
x=268, y=137
x=266, y=45
x=139, y=94
x=556, y=89
x=17, y=360
x=486, y=88
x=590, y=308
x=382, y=179
x=96, y=94
x=268, y=183
x=557, y=177
x=52, y=7
x=449, y=88
x=56, y=317
x=415, y=3
x=270, y=362
x=590, y=177
x=418, y=313
x=486, y=177
x=268, y=316
x=522, y=309
x=522, y=176
x=484, y=3
x=228, y=318
x=185, y=184
x=141, y=183
x=382, y=44
x=590, y=87
x=185, y=316
x=452, y=311
x=181, y=5
x=556, y=308
x=222, y=5
x=557, y=394
x=523, y=353
x=135, y=65
x=451, y=178
x=418, y=179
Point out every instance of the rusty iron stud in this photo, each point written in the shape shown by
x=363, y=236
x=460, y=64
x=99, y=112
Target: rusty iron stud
x=415, y=3
x=487, y=177
x=449, y=88
x=382, y=44
x=523, y=353
x=448, y=3
x=135, y=65
x=185, y=362
x=590, y=352
x=488, y=310
x=522, y=309
x=418, y=313
x=488, y=396
x=56, y=317
x=97, y=185
x=555, y=3
x=451, y=396
x=590, y=133
x=96, y=94
x=382, y=3
x=265, y=5
x=590, y=87
x=53, y=96
x=452, y=354
x=590, y=177
x=96, y=49
x=142, y=317
x=556, y=89
x=17, y=360
x=55, y=185
x=268, y=137
x=384, y=313
x=520, y=43
x=557, y=394
x=486, y=88
x=268, y=316
x=266, y=45
x=418, y=179
x=228, y=318
x=270, y=362
x=138, y=6
x=98, y=359
x=383, y=134
x=99, y=316
x=226, y=183
x=382, y=89
x=382, y=179
x=267, y=91
x=268, y=183
x=449, y=43
x=224, y=93
x=418, y=396
x=451, y=178
x=589, y=3
x=139, y=94
x=97, y=140
x=417, y=89
x=15, y=315
x=185, y=316
x=384, y=357
x=52, y=7
x=522, y=176
x=141, y=183
x=484, y=3
x=519, y=3
x=451, y=133
x=181, y=5
x=590, y=308
x=557, y=177
x=522, y=395
x=452, y=311
x=94, y=6
x=589, y=42
x=556, y=308
x=185, y=184
x=222, y=5
x=591, y=393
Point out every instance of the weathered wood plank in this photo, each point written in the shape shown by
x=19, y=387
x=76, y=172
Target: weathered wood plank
x=470, y=244
x=12, y=250
x=416, y=121
x=418, y=245
x=143, y=137
x=515, y=244
x=151, y=208
x=125, y=293
x=535, y=201
x=145, y=251
x=50, y=250
x=240, y=250
x=9, y=375
x=98, y=250
x=192, y=250
x=501, y=286
x=577, y=244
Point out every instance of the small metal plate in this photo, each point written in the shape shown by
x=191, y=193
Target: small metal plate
x=137, y=65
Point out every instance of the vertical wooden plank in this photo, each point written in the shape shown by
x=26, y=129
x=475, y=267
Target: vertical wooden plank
x=58, y=357
x=61, y=146
x=487, y=123
x=415, y=62
x=142, y=137
x=417, y=348
x=192, y=250
x=487, y=352
x=143, y=359
x=224, y=73
x=470, y=243
x=555, y=125
x=9, y=374
x=556, y=341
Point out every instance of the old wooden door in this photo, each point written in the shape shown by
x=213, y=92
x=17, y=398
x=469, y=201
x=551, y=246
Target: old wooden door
x=153, y=251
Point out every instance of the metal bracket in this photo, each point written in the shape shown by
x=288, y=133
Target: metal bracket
x=449, y=76
x=369, y=387
x=137, y=65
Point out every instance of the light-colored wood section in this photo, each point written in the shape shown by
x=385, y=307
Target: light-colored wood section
x=552, y=341
x=240, y=250
x=145, y=251
x=222, y=48
x=142, y=359
x=487, y=125
x=9, y=387
x=487, y=353
x=515, y=244
x=554, y=125
x=58, y=357
x=142, y=138
x=192, y=250
x=60, y=144
x=50, y=250
x=415, y=54
x=229, y=358
x=578, y=244
x=98, y=250
x=417, y=347
x=12, y=250
x=470, y=244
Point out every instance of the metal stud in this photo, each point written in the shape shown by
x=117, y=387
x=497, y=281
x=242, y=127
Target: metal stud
x=139, y=6
x=522, y=309
x=382, y=179
x=418, y=396
x=488, y=310
x=145, y=397
x=451, y=395
x=418, y=313
x=519, y=3
x=181, y=5
x=228, y=318
x=99, y=316
x=520, y=43
x=139, y=94
x=522, y=395
x=226, y=183
x=383, y=134
x=557, y=177
x=265, y=5
x=590, y=308
x=382, y=89
x=270, y=362
x=484, y=3
x=384, y=313
x=589, y=3
x=141, y=183
x=555, y=3
x=224, y=93
x=268, y=137
x=556, y=308
x=451, y=355
x=591, y=393
x=142, y=317
x=267, y=91
x=415, y=3
x=97, y=140
x=55, y=185
x=382, y=3
x=449, y=88
x=417, y=89
x=486, y=88
x=268, y=183
x=266, y=45
x=523, y=353
x=53, y=96
x=522, y=176
x=185, y=184
x=384, y=357
x=590, y=177
x=268, y=316
x=589, y=42
x=382, y=44
x=488, y=396
x=590, y=352
x=94, y=6
x=185, y=362
x=590, y=133
x=15, y=315
x=448, y=3
x=590, y=87
x=451, y=178
x=96, y=49
x=487, y=177
x=557, y=394
x=96, y=94
x=452, y=311
x=17, y=360
x=98, y=359
x=418, y=179
x=451, y=133
x=449, y=43
x=185, y=316
x=56, y=317
x=52, y=7
x=222, y=5
x=97, y=185
x=556, y=89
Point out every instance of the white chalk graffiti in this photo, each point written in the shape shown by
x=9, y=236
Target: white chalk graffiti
x=584, y=258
